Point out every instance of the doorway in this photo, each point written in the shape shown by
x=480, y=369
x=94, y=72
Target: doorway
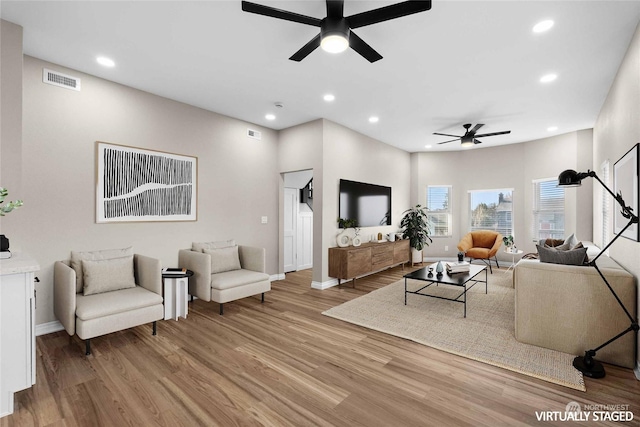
x=298, y=221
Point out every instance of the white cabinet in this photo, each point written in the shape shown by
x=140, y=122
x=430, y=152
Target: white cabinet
x=17, y=328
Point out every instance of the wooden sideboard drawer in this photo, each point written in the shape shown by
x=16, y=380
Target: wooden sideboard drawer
x=354, y=261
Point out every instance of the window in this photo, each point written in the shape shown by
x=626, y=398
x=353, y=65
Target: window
x=492, y=210
x=606, y=207
x=439, y=210
x=548, y=209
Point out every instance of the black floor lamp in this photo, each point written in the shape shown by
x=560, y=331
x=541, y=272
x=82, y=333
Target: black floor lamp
x=586, y=364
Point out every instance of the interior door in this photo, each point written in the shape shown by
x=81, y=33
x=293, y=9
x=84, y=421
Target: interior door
x=290, y=228
x=305, y=240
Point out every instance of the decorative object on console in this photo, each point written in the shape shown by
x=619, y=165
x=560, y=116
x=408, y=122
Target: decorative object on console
x=415, y=225
x=349, y=231
x=570, y=178
x=625, y=181
x=136, y=184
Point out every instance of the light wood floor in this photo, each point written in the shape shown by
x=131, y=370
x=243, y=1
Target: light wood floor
x=283, y=363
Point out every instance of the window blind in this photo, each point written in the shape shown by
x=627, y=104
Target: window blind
x=606, y=207
x=548, y=210
x=439, y=210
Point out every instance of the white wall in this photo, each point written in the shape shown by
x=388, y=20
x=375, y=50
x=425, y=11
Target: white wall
x=508, y=166
x=617, y=129
x=237, y=175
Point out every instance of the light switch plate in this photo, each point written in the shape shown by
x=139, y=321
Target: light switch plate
x=264, y=219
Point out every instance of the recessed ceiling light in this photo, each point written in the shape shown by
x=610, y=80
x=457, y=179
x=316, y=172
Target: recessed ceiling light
x=548, y=78
x=373, y=119
x=102, y=60
x=427, y=146
x=270, y=117
x=329, y=97
x=543, y=26
x=552, y=128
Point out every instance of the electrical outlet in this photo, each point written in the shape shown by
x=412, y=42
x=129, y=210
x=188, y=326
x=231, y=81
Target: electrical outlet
x=446, y=248
x=264, y=219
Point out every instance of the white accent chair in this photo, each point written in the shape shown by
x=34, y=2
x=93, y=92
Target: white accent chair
x=224, y=271
x=91, y=298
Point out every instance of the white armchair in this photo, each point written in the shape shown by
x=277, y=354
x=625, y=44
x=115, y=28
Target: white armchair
x=224, y=271
x=97, y=293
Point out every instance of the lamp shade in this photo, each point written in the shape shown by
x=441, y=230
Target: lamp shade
x=569, y=178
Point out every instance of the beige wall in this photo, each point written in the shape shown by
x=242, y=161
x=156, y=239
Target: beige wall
x=236, y=174
x=350, y=155
x=300, y=148
x=10, y=113
x=509, y=166
x=617, y=129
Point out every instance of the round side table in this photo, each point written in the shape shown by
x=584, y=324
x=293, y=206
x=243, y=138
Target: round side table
x=513, y=257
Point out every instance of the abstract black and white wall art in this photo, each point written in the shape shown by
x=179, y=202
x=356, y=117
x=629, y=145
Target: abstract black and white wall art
x=144, y=185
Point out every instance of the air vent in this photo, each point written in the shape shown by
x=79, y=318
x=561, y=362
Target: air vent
x=254, y=134
x=62, y=80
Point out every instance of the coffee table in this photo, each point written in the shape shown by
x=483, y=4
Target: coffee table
x=458, y=279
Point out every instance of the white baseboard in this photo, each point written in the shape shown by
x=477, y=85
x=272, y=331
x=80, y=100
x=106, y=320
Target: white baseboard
x=48, y=328
x=636, y=370
x=275, y=277
x=324, y=285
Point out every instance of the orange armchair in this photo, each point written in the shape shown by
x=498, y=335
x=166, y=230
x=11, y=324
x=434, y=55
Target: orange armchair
x=481, y=244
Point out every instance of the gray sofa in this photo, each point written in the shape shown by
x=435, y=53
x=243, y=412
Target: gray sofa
x=103, y=311
x=224, y=271
x=570, y=309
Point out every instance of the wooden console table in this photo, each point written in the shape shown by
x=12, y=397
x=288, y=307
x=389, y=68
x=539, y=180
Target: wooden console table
x=353, y=261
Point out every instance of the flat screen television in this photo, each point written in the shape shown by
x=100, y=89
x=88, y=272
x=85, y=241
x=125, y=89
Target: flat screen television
x=368, y=204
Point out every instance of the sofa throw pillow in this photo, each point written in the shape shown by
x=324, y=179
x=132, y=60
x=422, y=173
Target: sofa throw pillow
x=201, y=246
x=224, y=259
x=572, y=240
x=108, y=275
x=553, y=242
x=569, y=257
x=78, y=257
x=562, y=247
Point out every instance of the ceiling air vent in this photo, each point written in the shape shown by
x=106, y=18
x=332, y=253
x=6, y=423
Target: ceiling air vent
x=254, y=134
x=58, y=79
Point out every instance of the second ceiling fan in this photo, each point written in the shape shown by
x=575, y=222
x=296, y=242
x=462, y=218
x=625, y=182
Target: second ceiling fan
x=335, y=29
x=469, y=137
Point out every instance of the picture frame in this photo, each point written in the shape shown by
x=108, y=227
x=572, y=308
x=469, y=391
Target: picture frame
x=140, y=185
x=625, y=181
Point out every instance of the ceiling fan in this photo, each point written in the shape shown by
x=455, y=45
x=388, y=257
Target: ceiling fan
x=335, y=29
x=469, y=137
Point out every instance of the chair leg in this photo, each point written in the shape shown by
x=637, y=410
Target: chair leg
x=87, y=347
x=221, y=310
x=262, y=299
x=496, y=258
x=155, y=330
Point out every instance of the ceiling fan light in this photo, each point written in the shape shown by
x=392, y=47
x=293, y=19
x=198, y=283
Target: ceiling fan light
x=467, y=144
x=334, y=43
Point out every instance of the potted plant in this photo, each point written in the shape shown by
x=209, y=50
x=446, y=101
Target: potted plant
x=4, y=242
x=508, y=242
x=415, y=227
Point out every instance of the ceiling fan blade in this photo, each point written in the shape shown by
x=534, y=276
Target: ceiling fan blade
x=495, y=133
x=476, y=127
x=259, y=9
x=446, y=134
x=306, y=49
x=477, y=141
x=457, y=139
x=335, y=9
x=360, y=46
x=388, y=12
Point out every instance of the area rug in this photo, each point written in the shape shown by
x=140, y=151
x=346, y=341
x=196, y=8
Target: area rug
x=486, y=334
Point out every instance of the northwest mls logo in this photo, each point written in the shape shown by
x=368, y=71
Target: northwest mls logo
x=576, y=413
